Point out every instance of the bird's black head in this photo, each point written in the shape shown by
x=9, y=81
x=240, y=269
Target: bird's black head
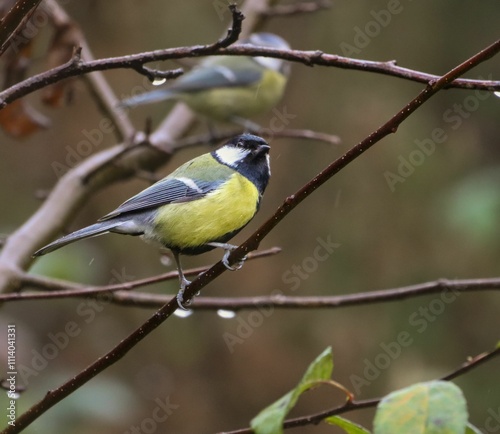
x=249, y=155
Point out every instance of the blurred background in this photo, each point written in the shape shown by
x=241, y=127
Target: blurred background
x=397, y=216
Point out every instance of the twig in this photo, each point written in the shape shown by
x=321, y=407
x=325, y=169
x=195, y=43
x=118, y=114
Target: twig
x=471, y=363
x=77, y=67
x=298, y=8
x=12, y=23
x=308, y=135
x=368, y=403
x=287, y=133
x=54, y=288
x=234, y=31
x=319, y=302
x=152, y=73
x=123, y=294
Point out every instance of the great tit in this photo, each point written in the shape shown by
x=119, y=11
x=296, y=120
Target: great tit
x=199, y=206
x=229, y=88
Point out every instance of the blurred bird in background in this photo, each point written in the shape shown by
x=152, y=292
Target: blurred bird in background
x=229, y=88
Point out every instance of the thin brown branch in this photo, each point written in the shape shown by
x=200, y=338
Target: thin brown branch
x=77, y=67
x=298, y=8
x=352, y=405
x=472, y=363
x=308, y=135
x=319, y=302
x=54, y=288
x=286, y=133
x=12, y=23
x=124, y=296
x=152, y=73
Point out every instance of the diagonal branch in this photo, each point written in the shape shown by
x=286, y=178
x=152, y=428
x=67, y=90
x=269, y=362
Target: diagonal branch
x=12, y=23
x=119, y=351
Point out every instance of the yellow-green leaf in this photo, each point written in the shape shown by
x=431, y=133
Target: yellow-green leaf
x=348, y=426
x=270, y=420
x=436, y=407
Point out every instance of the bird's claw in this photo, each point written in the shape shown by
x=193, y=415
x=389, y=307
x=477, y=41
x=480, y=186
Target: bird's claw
x=236, y=266
x=180, y=295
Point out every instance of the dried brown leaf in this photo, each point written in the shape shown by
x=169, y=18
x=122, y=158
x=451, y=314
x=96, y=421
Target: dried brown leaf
x=20, y=120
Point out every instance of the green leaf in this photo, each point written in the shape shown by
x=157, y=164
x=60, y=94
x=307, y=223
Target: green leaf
x=436, y=407
x=270, y=420
x=348, y=426
x=471, y=429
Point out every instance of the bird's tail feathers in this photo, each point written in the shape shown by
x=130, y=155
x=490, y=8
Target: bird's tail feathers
x=90, y=231
x=147, y=98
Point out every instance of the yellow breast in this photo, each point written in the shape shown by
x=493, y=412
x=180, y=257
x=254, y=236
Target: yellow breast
x=193, y=224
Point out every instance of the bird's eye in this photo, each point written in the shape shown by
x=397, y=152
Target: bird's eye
x=239, y=145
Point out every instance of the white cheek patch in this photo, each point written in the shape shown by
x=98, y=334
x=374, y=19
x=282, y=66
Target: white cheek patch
x=230, y=155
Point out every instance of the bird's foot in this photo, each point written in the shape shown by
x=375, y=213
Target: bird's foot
x=237, y=265
x=180, y=295
x=225, y=259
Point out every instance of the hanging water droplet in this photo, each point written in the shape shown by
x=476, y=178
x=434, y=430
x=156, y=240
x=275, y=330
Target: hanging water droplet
x=226, y=314
x=165, y=260
x=183, y=313
x=497, y=94
x=159, y=81
x=14, y=395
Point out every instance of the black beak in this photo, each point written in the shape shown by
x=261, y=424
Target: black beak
x=263, y=149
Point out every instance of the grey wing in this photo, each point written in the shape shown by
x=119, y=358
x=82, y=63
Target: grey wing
x=205, y=77
x=169, y=190
x=215, y=76
x=147, y=98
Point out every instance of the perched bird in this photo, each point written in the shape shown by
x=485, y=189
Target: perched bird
x=199, y=206
x=229, y=88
